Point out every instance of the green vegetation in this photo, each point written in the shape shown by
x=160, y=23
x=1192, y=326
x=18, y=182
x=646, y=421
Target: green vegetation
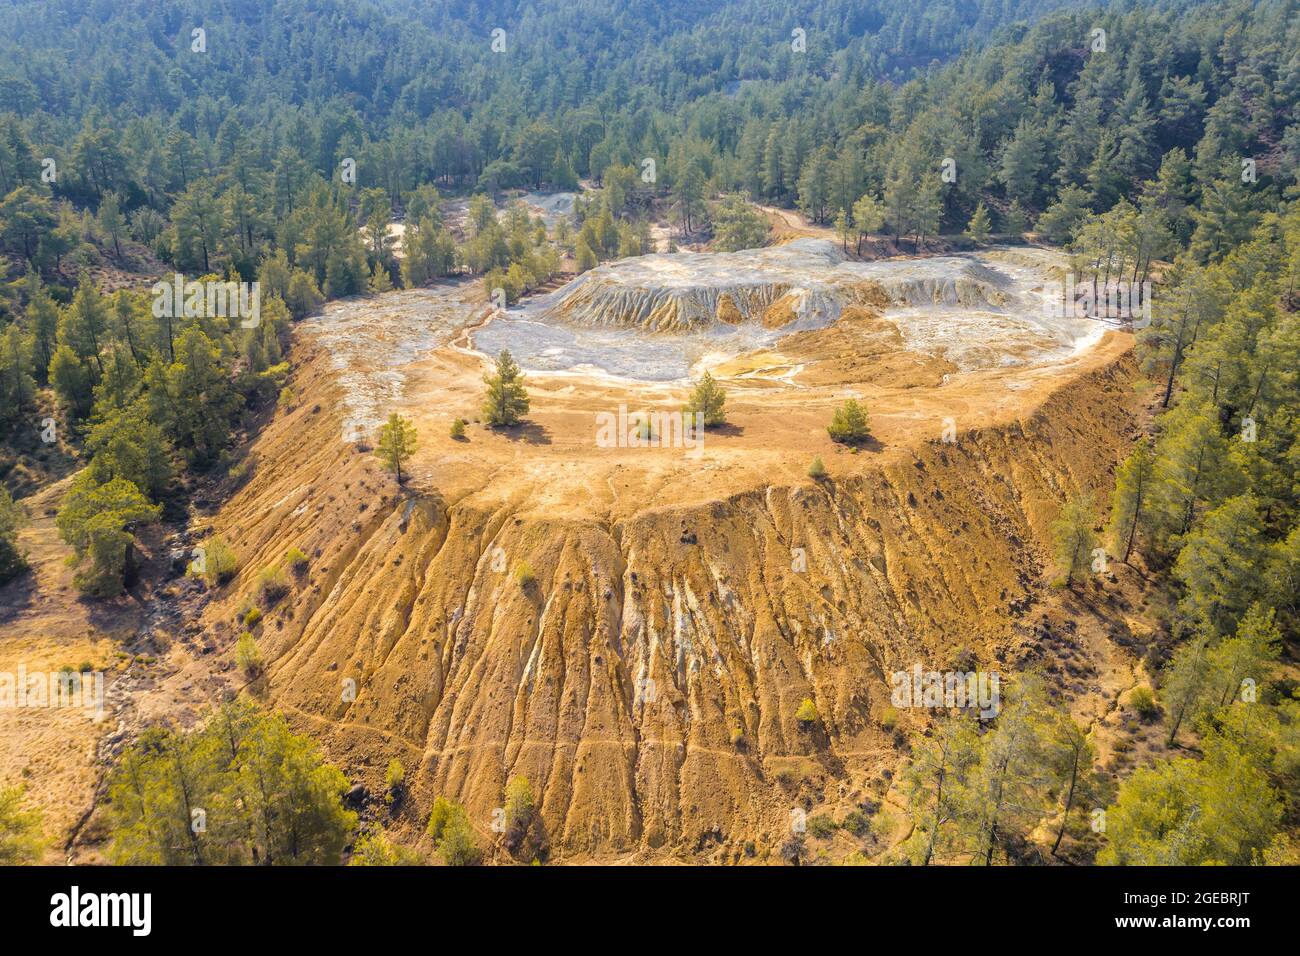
x=272, y=584
x=248, y=656
x=12, y=517
x=516, y=256
x=242, y=790
x=395, y=775
x=21, y=838
x=231, y=167
x=396, y=443
x=822, y=826
x=977, y=797
x=506, y=401
x=524, y=836
x=97, y=521
x=817, y=470
x=376, y=849
x=979, y=227
x=1073, y=539
x=707, y=399
x=458, y=429
x=1130, y=505
x=218, y=562
x=296, y=560
x=807, y=714
x=1142, y=700
x=849, y=424
x=737, y=225
x=452, y=834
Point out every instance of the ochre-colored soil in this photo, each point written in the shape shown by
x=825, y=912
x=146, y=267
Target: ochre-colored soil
x=631, y=628
x=677, y=605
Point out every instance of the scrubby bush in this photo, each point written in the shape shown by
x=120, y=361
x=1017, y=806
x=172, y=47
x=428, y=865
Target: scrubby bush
x=219, y=562
x=458, y=429
x=241, y=472
x=450, y=829
x=524, y=574
x=523, y=835
x=807, y=713
x=295, y=560
x=857, y=823
x=1142, y=700
x=822, y=826
x=21, y=839
x=248, y=655
x=272, y=584
x=395, y=776
x=817, y=470
x=375, y=849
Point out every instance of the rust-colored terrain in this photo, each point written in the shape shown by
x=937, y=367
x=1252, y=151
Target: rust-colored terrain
x=634, y=629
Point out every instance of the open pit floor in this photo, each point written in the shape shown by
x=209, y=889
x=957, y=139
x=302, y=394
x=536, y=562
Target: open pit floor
x=943, y=345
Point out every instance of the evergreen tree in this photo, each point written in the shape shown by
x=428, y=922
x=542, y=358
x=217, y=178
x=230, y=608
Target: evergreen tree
x=1073, y=538
x=707, y=398
x=396, y=443
x=96, y=520
x=849, y=424
x=1129, y=503
x=506, y=400
x=978, y=227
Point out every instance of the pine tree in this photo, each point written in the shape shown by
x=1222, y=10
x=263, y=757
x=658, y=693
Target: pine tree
x=707, y=398
x=506, y=400
x=1060, y=222
x=1129, y=504
x=1221, y=809
x=978, y=228
x=1008, y=790
x=1220, y=564
x=868, y=217
x=380, y=281
x=849, y=425
x=96, y=520
x=937, y=785
x=1073, y=538
x=396, y=443
x=12, y=517
x=264, y=795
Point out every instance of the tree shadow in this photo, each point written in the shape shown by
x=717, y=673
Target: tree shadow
x=725, y=430
x=530, y=432
x=17, y=596
x=870, y=443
